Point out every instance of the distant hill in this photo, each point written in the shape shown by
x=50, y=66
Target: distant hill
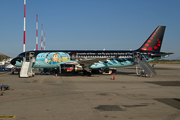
x=178, y=58
x=2, y=57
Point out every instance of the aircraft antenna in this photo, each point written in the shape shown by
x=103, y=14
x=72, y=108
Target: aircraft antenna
x=41, y=36
x=36, y=31
x=24, y=25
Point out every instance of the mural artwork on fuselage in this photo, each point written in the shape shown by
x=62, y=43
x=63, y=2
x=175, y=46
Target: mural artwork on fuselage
x=53, y=57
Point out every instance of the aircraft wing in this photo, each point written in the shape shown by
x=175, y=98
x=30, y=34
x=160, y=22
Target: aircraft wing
x=87, y=62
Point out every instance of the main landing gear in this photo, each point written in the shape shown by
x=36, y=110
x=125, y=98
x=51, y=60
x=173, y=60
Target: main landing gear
x=87, y=73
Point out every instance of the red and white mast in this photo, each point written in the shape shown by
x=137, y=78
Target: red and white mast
x=41, y=36
x=44, y=40
x=24, y=25
x=36, y=31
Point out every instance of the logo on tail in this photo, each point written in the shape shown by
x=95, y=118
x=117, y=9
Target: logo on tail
x=154, y=42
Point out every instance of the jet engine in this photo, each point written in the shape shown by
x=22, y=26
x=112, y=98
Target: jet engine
x=69, y=68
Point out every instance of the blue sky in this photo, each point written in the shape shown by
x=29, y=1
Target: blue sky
x=88, y=24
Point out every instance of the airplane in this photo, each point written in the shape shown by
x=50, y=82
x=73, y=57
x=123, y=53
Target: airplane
x=2, y=63
x=6, y=68
x=88, y=60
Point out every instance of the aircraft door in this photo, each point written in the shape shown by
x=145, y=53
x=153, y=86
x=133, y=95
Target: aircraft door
x=60, y=56
x=27, y=56
x=31, y=55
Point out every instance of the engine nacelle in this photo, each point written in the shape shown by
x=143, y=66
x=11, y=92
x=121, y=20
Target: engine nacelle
x=69, y=68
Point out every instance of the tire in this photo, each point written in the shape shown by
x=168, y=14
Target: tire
x=84, y=72
x=88, y=74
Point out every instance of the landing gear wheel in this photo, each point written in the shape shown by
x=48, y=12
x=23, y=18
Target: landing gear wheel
x=84, y=72
x=88, y=73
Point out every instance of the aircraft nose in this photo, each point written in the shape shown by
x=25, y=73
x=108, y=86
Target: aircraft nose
x=13, y=61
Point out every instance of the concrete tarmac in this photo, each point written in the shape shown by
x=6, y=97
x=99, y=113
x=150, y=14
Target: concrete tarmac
x=77, y=97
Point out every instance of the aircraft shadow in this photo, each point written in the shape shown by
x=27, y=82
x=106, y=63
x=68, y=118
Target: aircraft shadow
x=77, y=74
x=125, y=73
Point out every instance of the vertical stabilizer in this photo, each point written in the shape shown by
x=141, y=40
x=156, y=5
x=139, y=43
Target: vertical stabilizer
x=154, y=42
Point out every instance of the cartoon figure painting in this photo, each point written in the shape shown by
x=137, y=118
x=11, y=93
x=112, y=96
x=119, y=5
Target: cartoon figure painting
x=55, y=59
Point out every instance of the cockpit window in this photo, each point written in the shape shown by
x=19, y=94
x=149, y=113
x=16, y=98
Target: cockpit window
x=20, y=56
